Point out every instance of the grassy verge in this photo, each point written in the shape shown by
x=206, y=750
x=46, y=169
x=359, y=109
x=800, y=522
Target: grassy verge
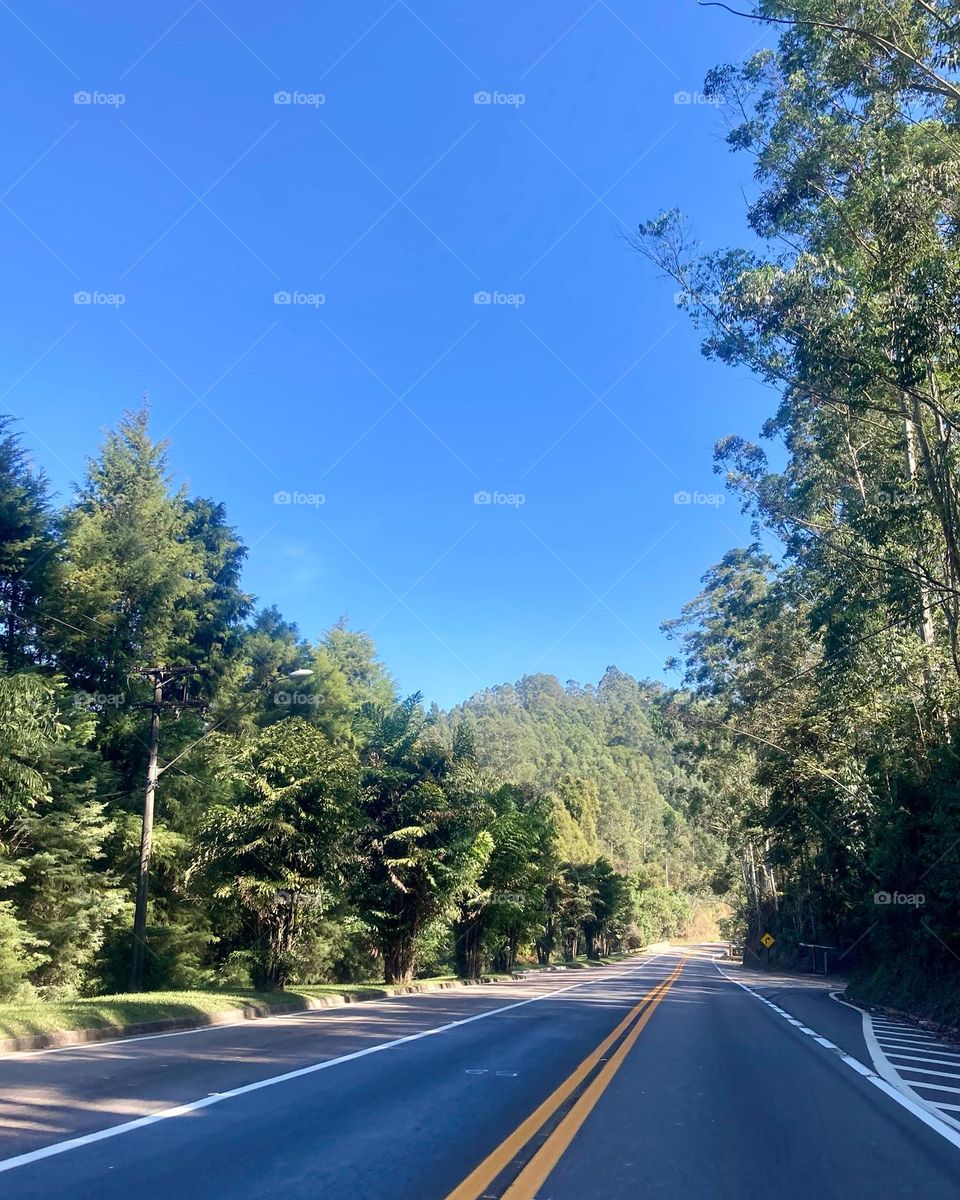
x=123, y=1011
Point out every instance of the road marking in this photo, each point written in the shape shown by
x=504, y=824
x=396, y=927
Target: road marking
x=481, y=1176
x=885, y=1045
x=535, y=1173
x=946, y=1062
x=889, y=1036
x=920, y=1071
x=295, y=1016
x=22, y=1160
x=899, y=1092
x=895, y=1048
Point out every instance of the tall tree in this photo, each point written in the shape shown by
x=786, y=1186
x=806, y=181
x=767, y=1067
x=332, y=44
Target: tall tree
x=421, y=833
x=133, y=578
x=282, y=852
x=27, y=552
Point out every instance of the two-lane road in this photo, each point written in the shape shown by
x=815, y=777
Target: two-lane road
x=658, y=1078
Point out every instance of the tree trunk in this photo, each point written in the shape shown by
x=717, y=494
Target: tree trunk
x=468, y=946
x=398, y=957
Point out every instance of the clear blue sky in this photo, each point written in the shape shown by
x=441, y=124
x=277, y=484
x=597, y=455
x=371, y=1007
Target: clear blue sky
x=396, y=198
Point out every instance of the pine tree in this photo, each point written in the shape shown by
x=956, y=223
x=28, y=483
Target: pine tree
x=27, y=552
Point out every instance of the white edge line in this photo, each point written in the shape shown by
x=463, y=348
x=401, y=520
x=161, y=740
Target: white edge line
x=889, y=1072
x=932, y=1119
x=32, y=1156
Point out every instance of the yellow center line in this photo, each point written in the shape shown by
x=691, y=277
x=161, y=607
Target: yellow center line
x=534, y=1174
x=478, y=1179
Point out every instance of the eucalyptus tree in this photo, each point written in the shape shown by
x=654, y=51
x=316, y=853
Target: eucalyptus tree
x=843, y=680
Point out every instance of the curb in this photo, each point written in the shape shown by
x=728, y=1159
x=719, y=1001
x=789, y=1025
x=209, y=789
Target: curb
x=236, y=1016
x=230, y=1016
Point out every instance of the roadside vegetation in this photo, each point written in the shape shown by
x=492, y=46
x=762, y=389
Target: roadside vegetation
x=803, y=779
x=35, y=1015
x=311, y=829
x=823, y=662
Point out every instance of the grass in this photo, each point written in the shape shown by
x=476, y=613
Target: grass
x=31, y=1017
x=27, y=1018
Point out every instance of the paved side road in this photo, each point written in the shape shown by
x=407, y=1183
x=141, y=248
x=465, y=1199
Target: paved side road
x=661, y=1078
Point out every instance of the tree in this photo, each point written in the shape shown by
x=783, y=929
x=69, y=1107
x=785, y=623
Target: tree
x=282, y=851
x=29, y=728
x=421, y=833
x=133, y=579
x=27, y=552
x=827, y=684
x=504, y=906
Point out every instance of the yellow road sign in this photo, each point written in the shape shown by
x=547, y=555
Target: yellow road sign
x=767, y=940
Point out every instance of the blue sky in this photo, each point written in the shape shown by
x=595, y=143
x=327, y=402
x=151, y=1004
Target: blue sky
x=382, y=198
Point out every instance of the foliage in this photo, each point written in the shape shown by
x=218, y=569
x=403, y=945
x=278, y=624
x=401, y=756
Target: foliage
x=307, y=829
x=823, y=685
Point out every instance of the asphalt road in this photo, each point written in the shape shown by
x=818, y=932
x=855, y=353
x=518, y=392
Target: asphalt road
x=657, y=1078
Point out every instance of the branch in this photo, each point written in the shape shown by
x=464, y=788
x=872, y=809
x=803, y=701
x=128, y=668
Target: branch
x=939, y=86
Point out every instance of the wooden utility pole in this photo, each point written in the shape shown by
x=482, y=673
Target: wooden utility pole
x=159, y=677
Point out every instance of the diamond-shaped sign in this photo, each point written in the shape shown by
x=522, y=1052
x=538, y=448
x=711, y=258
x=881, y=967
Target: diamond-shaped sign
x=767, y=940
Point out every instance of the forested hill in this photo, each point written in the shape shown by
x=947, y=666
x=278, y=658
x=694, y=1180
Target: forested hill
x=599, y=752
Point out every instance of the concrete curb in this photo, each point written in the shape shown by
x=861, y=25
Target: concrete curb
x=230, y=1016
x=251, y=1012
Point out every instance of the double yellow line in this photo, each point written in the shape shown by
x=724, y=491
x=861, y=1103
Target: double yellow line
x=533, y=1175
